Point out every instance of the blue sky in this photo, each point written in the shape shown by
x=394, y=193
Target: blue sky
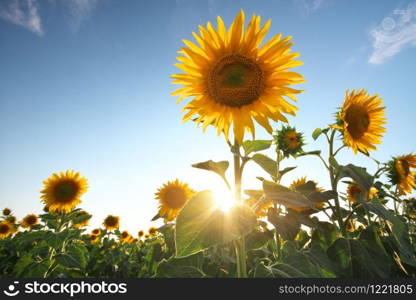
x=85, y=85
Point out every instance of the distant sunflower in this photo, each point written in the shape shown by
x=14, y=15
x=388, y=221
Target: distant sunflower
x=6, y=211
x=96, y=231
x=30, y=220
x=152, y=230
x=172, y=197
x=355, y=192
x=257, y=202
x=140, y=234
x=233, y=79
x=62, y=191
x=361, y=120
x=11, y=219
x=299, y=182
x=111, y=222
x=125, y=237
x=94, y=238
x=400, y=172
x=6, y=229
x=84, y=222
x=289, y=141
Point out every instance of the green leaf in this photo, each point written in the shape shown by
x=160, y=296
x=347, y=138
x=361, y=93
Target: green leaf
x=316, y=152
x=217, y=167
x=341, y=256
x=68, y=261
x=255, y=146
x=21, y=264
x=53, y=239
x=324, y=235
x=186, y=267
x=283, y=195
x=200, y=224
x=358, y=174
x=266, y=163
x=257, y=239
x=316, y=133
x=80, y=219
x=286, y=170
x=36, y=269
x=277, y=270
x=79, y=252
x=287, y=226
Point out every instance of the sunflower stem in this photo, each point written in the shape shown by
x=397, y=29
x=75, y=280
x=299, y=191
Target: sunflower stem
x=240, y=243
x=334, y=183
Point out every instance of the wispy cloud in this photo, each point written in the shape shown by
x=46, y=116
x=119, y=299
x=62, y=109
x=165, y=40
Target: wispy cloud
x=79, y=11
x=308, y=7
x=396, y=32
x=22, y=13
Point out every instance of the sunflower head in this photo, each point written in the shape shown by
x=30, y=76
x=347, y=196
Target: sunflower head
x=6, y=211
x=85, y=221
x=361, y=120
x=111, y=222
x=125, y=237
x=233, y=79
x=289, y=141
x=62, y=192
x=351, y=225
x=295, y=185
x=140, y=234
x=172, y=197
x=11, y=219
x=94, y=238
x=356, y=193
x=96, y=231
x=257, y=202
x=152, y=230
x=401, y=174
x=30, y=220
x=146, y=236
x=6, y=229
x=410, y=205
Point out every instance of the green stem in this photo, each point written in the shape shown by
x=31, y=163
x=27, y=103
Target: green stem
x=334, y=184
x=240, y=243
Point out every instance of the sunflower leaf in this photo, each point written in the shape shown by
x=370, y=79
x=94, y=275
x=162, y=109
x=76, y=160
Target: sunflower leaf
x=217, y=167
x=316, y=133
x=256, y=145
x=283, y=195
x=200, y=224
x=267, y=164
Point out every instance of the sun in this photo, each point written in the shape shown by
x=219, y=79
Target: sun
x=224, y=199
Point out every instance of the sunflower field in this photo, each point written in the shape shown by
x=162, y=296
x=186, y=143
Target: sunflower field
x=233, y=78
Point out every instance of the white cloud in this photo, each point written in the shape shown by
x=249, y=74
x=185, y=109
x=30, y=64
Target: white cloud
x=396, y=32
x=78, y=11
x=308, y=7
x=22, y=13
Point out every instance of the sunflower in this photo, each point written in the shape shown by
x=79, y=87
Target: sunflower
x=96, y=231
x=299, y=182
x=125, y=237
x=62, y=191
x=355, y=192
x=152, y=230
x=172, y=197
x=289, y=141
x=140, y=234
x=233, y=79
x=6, y=211
x=85, y=221
x=360, y=120
x=94, y=238
x=400, y=173
x=6, y=229
x=111, y=222
x=257, y=202
x=30, y=220
x=11, y=219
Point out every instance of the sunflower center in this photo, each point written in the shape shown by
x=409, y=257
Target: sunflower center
x=291, y=140
x=357, y=120
x=4, y=228
x=235, y=80
x=65, y=191
x=111, y=221
x=175, y=197
x=31, y=220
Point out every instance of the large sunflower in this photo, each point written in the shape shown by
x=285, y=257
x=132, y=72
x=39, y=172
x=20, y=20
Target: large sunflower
x=6, y=229
x=172, y=196
x=30, y=220
x=111, y=222
x=400, y=173
x=361, y=120
x=62, y=191
x=298, y=182
x=233, y=79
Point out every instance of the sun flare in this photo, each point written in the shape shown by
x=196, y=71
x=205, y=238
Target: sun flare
x=224, y=199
